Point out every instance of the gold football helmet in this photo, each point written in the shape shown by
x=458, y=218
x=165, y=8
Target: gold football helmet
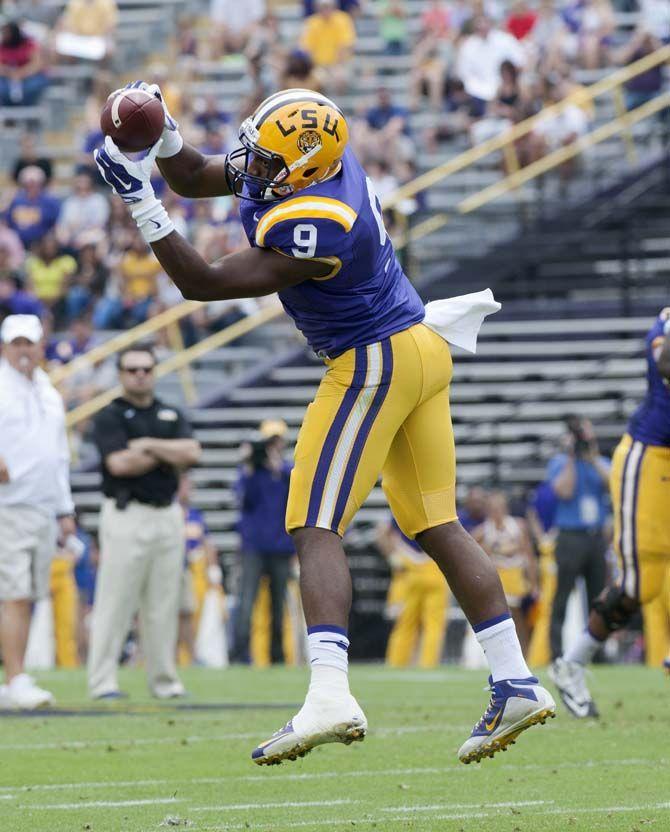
x=295, y=138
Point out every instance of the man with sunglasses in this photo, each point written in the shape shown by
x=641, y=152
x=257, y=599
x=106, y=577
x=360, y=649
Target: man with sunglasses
x=144, y=444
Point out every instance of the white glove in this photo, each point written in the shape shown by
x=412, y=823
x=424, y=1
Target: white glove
x=131, y=180
x=172, y=138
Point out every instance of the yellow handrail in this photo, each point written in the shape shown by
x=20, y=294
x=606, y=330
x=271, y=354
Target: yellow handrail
x=123, y=340
x=179, y=360
x=546, y=163
x=480, y=151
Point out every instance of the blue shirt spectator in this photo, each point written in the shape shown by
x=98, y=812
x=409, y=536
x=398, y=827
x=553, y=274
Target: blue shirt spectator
x=16, y=301
x=384, y=110
x=33, y=212
x=263, y=495
x=588, y=507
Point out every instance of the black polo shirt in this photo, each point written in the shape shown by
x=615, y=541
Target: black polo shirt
x=115, y=425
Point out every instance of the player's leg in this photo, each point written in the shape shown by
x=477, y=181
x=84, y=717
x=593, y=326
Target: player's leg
x=419, y=479
x=344, y=440
x=252, y=570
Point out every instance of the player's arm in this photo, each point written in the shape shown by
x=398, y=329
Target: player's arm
x=192, y=174
x=246, y=274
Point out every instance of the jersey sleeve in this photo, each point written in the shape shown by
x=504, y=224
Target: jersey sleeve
x=311, y=228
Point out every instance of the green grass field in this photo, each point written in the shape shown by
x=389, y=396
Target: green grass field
x=147, y=766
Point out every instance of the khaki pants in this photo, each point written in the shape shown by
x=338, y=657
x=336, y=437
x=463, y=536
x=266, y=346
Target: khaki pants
x=27, y=546
x=141, y=557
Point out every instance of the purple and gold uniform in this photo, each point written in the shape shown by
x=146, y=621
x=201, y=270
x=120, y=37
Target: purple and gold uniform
x=383, y=405
x=640, y=482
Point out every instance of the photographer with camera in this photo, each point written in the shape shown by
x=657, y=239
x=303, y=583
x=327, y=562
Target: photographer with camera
x=266, y=548
x=579, y=477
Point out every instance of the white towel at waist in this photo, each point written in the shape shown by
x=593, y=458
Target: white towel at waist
x=458, y=320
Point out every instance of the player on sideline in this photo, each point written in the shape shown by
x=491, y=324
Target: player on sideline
x=317, y=237
x=640, y=487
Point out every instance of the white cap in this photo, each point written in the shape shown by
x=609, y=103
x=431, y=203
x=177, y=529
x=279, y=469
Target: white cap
x=21, y=326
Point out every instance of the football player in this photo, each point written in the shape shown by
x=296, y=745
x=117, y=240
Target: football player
x=317, y=237
x=640, y=488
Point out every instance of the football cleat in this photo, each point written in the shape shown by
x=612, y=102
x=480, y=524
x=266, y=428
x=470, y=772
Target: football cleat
x=315, y=724
x=570, y=679
x=516, y=704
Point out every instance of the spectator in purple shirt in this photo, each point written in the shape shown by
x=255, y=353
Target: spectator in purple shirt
x=33, y=212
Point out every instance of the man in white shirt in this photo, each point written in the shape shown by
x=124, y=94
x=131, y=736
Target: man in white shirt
x=479, y=59
x=34, y=493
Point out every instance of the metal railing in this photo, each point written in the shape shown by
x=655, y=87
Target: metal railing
x=504, y=142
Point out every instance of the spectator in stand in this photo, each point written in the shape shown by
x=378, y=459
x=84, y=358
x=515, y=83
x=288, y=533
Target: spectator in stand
x=86, y=29
x=393, y=26
x=262, y=490
x=234, y=22
x=509, y=106
x=22, y=69
x=217, y=141
x=34, y=211
x=10, y=240
x=479, y=59
x=87, y=285
x=299, y=72
x=436, y=20
x=208, y=114
x=78, y=340
x=553, y=41
x=649, y=84
x=48, y=270
x=329, y=36
x=139, y=272
x=433, y=54
x=593, y=22
x=521, y=20
x=13, y=299
x=387, y=135
x=83, y=210
x=29, y=158
x=558, y=129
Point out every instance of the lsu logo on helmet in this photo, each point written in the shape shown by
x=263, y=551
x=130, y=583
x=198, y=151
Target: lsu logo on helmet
x=294, y=138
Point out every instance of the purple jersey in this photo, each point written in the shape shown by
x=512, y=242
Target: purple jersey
x=366, y=297
x=650, y=423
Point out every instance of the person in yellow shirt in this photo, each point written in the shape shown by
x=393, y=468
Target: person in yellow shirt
x=92, y=18
x=329, y=37
x=48, y=270
x=417, y=599
x=139, y=279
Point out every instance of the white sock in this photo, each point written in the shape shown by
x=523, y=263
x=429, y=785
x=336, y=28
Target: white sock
x=583, y=649
x=329, y=662
x=500, y=644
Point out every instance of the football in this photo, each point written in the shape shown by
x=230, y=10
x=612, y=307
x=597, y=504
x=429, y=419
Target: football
x=133, y=118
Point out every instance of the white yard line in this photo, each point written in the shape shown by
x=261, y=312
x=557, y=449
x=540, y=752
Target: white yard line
x=358, y=821
x=103, y=804
x=482, y=807
x=356, y=773
x=232, y=807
